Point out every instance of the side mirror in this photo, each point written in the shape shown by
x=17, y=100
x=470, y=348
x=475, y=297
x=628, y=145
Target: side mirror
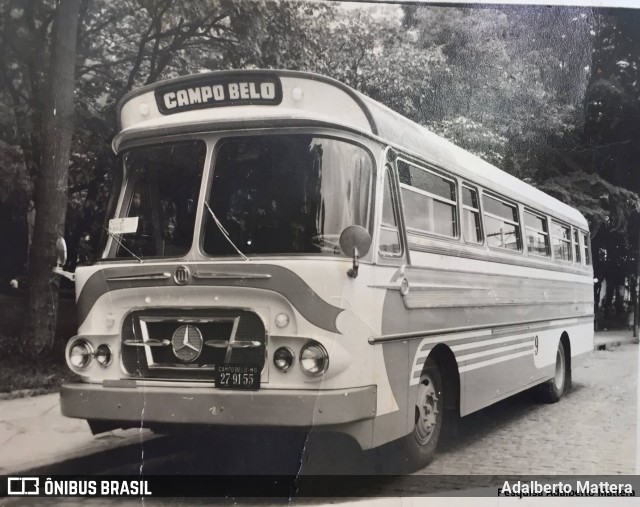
x=61, y=251
x=355, y=241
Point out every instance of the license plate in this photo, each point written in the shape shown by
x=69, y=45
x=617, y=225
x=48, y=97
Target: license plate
x=237, y=376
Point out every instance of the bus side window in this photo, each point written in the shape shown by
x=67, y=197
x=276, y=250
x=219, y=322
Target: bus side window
x=471, y=215
x=501, y=224
x=576, y=247
x=586, y=245
x=389, y=233
x=429, y=200
x=537, y=234
x=561, y=241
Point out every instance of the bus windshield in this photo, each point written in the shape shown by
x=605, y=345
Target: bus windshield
x=160, y=199
x=286, y=194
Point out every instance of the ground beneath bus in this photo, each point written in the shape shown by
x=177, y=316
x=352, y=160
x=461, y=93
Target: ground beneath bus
x=590, y=431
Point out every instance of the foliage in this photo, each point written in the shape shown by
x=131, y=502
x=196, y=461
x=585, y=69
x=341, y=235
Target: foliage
x=547, y=94
x=507, y=75
x=611, y=133
x=612, y=105
x=605, y=206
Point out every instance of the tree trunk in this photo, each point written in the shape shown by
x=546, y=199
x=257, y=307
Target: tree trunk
x=51, y=184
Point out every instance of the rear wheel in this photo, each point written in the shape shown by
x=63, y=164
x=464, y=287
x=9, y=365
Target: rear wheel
x=553, y=389
x=421, y=443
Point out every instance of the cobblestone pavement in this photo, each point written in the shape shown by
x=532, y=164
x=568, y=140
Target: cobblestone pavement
x=592, y=430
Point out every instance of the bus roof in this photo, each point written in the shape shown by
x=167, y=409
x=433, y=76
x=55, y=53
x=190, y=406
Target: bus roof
x=201, y=101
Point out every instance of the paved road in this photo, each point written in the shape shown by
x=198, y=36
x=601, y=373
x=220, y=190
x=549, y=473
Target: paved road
x=590, y=431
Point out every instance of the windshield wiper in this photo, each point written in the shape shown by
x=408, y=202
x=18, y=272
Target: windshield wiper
x=117, y=240
x=224, y=231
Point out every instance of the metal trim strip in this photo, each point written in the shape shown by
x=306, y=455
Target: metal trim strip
x=133, y=278
x=232, y=276
x=546, y=264
x=436, y=332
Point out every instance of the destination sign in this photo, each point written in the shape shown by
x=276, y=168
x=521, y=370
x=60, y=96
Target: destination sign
x=216, y=91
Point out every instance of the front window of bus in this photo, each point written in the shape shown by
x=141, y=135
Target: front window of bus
x=160, y=199
x=286, y=194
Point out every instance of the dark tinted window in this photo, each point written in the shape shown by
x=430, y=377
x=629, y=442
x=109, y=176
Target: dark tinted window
x=535, y=222
x=469, y=197
x=163, y=183
x=427, y=181
x=500, y=209
x=286, y=194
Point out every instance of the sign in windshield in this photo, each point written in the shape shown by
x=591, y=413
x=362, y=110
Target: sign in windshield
x=215, y=91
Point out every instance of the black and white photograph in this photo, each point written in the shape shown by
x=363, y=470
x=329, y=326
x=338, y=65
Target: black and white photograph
x=318, y=251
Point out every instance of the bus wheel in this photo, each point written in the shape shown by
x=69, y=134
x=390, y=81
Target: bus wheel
x=421, y=443
x=553, y=389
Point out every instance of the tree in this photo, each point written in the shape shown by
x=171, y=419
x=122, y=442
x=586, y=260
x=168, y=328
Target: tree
x=511, y=80
x=50, y=193
x=611, y=133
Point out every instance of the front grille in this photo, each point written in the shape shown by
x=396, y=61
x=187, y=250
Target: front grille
x=148, y=352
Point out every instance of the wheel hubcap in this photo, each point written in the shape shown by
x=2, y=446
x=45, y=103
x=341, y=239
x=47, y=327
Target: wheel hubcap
x=559, y=379
x=427, y=409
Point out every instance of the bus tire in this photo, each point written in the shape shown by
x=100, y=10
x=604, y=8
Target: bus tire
x=420, y=445
x=552, y=390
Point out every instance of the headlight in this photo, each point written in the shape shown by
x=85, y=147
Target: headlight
x=283, y=358
x=80, y=354
x=103, y=355
x=314, y=359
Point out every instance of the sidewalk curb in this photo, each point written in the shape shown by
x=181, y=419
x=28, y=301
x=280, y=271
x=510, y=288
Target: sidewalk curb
x=607, y=346
x=610, y=345
x=27, y=393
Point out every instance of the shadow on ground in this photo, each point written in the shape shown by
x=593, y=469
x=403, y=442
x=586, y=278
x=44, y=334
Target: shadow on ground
x=218, y=451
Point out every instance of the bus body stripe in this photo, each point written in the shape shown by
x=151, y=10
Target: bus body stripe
x=488, y=354
x=481, y=362
x=487, y=350
x=490, y=362
x=488, y=344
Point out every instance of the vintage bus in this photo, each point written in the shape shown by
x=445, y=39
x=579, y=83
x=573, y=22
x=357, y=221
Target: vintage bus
x=283, y=251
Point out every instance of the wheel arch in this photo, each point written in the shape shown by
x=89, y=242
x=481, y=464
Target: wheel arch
x=566, y=343
x=444, y=357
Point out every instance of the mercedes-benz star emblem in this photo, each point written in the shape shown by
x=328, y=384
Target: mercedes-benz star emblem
x=187, y=343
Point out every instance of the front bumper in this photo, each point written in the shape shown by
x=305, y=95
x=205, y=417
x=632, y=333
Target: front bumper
x=207, y=405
